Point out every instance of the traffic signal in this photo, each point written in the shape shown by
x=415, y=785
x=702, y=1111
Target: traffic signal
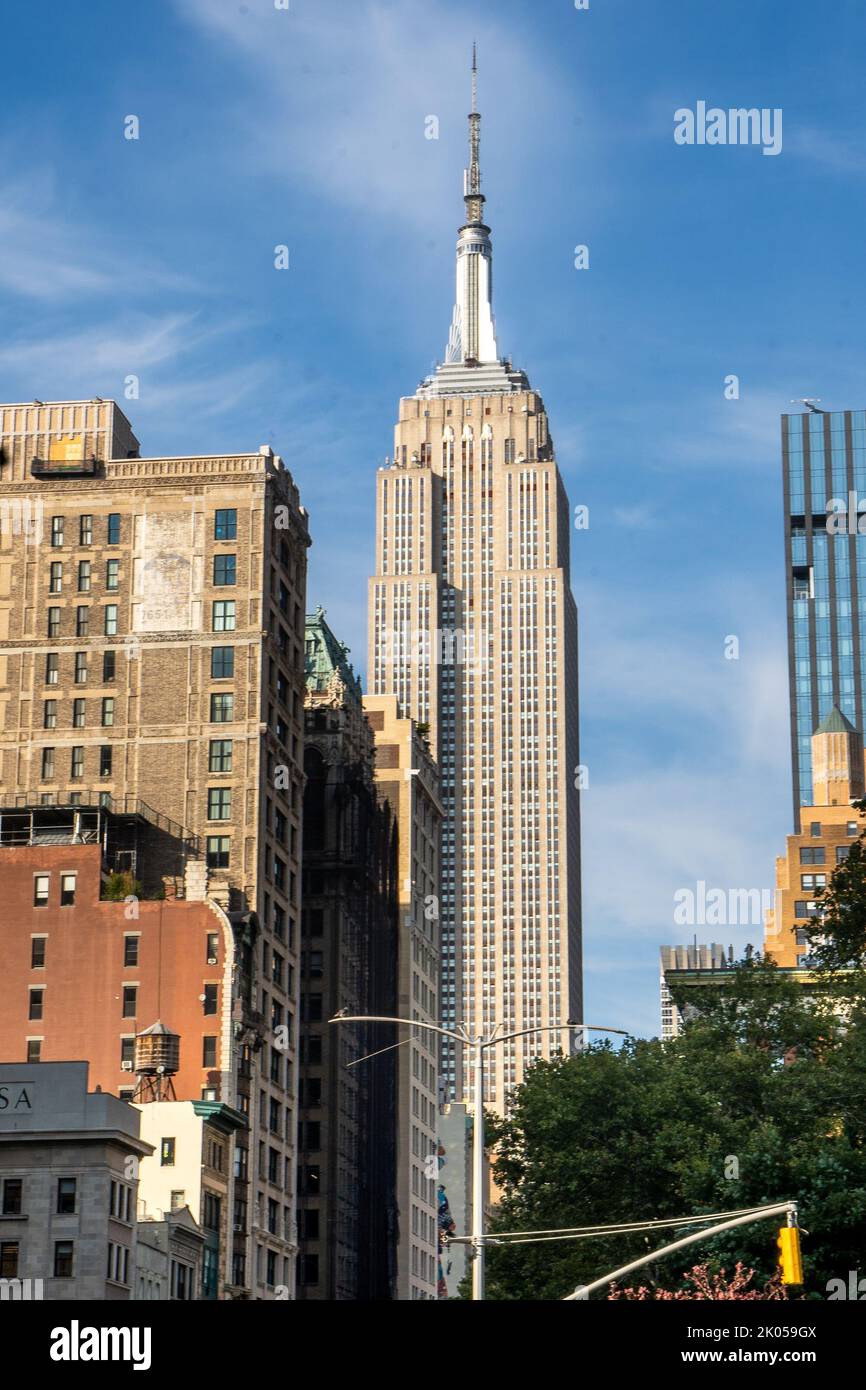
x=790, y=1261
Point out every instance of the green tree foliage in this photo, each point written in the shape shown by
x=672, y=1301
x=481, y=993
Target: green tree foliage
x=761, y=1099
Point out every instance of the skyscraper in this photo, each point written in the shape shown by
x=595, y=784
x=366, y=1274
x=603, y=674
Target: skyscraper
x=824, y=463
x=474, y=628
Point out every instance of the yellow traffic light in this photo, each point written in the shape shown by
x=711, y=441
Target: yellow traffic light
x=790, y=1260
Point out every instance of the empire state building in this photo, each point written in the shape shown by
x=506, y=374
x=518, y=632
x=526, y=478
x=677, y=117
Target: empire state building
x=474, y=628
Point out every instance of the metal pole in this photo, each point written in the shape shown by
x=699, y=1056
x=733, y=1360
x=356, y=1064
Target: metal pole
x=478, y=1174
x=586, y=1289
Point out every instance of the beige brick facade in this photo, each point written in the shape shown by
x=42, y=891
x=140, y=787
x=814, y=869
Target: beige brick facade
x=151, y=651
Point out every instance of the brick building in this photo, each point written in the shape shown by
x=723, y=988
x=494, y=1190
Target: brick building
x=348, y=1107
x=828, y=828
x=151, y=664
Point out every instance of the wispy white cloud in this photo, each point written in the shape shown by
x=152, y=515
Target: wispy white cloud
x=342, y=100
x=49, y=252
x=101, y=355
x=835, y=153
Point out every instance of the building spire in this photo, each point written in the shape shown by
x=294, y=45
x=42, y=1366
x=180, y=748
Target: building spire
x=472, y=179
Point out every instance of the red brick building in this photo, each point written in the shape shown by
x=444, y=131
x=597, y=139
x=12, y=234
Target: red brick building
x=83, y=975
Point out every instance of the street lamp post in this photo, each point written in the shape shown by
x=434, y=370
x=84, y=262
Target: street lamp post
x=479, y=1044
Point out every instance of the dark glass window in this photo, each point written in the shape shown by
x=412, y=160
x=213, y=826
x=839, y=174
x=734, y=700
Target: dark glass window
x=113, y=529
x=224, y=570
x=66, y=1196
x=13, y=1191
x=63, y=1259
x=222, y=663
x=225, y=525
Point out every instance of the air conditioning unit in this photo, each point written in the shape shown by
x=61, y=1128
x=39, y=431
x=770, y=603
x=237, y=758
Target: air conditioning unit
x=126, y=1066
x=211, y=960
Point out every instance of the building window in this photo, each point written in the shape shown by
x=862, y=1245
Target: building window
x=851, y=827
x=85, y=530
x=219, y=803
x=48, y=764
x=63, y=1259
x=13, y=1192
x=108, y=712
x=82, y=620
x=112, y=574
x=812, y=854
x=127, y=1053
x=225, y=525
x=52, y=668
x=49, y=714
x=76, y=763
x=815, y=829
x=57, y=530
x=34, y=1049
x=113, y=529
x=108, y=667
x=81, y=668
x=105, y=760
x=130, y=950
x=36, y=1004
x=78, y=713
x=9, y=1259
x=67, y=890
x=222, y=709
x=54, y=622
x=111, y=620
x=55, y=581
x=84, y=576
x=130, y=1001
x=218, y=851
x=37, y=952
x=40, y=890
x=224, y=615
x=209, y=1003
x=66, y=1196
x=842, y=852
x=224, y=570
x=222, y=663
x=212, y=947
x=166, y=1153
x=220, y=759
x=208, y=1051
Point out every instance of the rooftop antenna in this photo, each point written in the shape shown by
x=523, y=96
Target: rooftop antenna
x=810, y=402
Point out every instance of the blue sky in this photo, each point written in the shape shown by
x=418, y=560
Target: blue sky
x=261, y=127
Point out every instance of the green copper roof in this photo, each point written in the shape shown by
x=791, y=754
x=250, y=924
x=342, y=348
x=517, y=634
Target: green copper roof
x=326, y=657
x=835, y=723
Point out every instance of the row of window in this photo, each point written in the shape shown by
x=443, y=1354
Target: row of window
x=10, y=1254
x=79, y=713
x=82, y=626
x=85, y=576
x=76, y=762
x=65, y=1196
x=42, y=892
x=85, y=530
x=52, y=668
x=225, y=528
